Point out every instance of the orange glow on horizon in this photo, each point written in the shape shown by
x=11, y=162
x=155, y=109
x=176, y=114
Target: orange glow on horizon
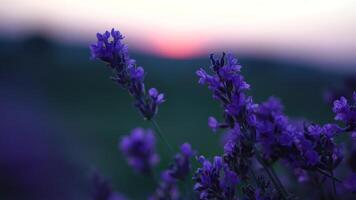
x=176, y=47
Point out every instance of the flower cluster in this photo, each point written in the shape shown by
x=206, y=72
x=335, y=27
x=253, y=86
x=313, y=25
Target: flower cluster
x=259, y=135
x=139, y=149
x=304, y=147
x=215, y=180
x=110, y=49
x=274, y=133
x=346, y=112
x=228, y=88
x=264, y=133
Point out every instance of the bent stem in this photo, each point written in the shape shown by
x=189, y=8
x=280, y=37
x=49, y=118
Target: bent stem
x=161, y=135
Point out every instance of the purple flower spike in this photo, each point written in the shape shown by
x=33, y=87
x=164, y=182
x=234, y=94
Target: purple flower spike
x=215, y=180
x=181, y=166
x=139, y=149
x=107, y=50
x=346, y=112
x=228, y=86
x=110, y=49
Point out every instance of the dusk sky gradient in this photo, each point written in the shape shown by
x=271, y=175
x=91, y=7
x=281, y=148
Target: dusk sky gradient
x=319, y=30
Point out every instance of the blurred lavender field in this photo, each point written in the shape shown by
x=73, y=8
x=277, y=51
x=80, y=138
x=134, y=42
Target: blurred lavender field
x=61, y=117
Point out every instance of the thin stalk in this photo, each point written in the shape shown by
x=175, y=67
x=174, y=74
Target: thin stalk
x=328, y=175
x=322, y=191
x=278, y=180
x=278, y=186
x=186, y=189
x=333, y=182
x=161, y=135
x=319, y=184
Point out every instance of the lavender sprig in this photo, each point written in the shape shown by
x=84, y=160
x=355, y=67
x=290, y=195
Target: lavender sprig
x=229, y=88
x=110, y=49
x=346, y=112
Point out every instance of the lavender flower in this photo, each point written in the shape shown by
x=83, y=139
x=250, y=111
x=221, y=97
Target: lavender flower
x=228, y=86
x=215, y=180
x=181, y=166
x=238, y=151
x=274, y=132
x=330, y=153
x=110, y=49
x=167, y=188
x=139, y=149
x=346, y=112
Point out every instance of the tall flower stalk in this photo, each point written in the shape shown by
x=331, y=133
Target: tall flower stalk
x=228, y=86
x=110, y=49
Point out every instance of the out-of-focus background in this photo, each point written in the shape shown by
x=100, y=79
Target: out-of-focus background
x=61, y=116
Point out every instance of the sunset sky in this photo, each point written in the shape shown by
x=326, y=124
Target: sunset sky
x=322, y=30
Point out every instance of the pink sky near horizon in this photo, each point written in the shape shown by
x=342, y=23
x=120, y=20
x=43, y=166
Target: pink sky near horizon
x=319, y=30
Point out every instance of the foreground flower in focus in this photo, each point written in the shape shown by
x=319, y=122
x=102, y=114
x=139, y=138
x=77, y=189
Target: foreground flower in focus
x=110, y=49
x=139, y=149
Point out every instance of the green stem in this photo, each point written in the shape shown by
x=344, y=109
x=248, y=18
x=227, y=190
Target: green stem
x=161, y=135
